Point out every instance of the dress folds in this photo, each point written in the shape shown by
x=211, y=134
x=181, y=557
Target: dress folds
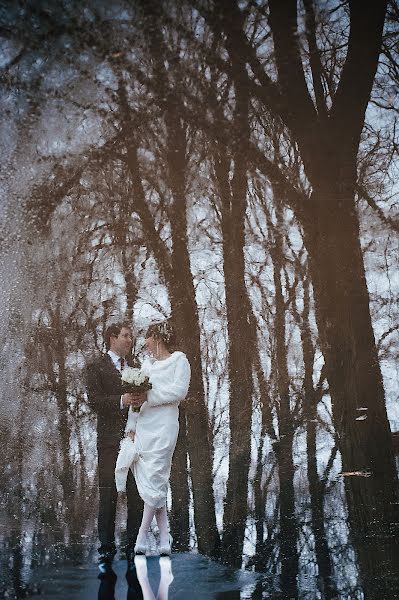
x=158, y=427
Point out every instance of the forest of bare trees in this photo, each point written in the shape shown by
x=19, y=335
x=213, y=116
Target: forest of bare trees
x=232, y=164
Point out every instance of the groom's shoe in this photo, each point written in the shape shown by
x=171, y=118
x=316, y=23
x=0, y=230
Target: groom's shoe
x=106, y=571
x=105, y=566
x=130, y=558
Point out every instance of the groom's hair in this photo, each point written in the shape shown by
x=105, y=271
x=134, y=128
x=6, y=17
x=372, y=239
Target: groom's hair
x=114, y=330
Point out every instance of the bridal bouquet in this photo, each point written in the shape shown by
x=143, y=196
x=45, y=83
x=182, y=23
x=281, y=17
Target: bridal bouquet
x=135, y=380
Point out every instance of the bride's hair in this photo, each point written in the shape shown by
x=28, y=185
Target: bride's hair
x=164, y=331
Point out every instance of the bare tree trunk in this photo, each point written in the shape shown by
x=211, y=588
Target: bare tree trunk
x=83, y=491
x=329, y=148
x=242, y=341
x=178, y=278
x=176, y=270
x=284, y=448
x=240, y=323
x=60, y=389
x=329, y=151
x=354, y=376
x=352, y=367
x=259, y=498
x=122, y=241
x=131, y=286
x=179, y=478
x=263, y=548
x=197, y=435
x=179, y=517
x=241, y=345
x=316, y=490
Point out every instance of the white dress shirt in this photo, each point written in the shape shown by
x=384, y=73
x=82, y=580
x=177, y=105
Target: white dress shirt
x=116, y=359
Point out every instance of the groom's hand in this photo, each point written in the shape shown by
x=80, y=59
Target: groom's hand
x=135, y=400
x=138, y=399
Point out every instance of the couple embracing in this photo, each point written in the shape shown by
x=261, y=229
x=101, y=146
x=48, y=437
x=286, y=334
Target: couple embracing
x=155, y=415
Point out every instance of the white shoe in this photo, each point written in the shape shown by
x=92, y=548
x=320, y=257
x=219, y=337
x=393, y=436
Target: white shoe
x=166, y=549
x=140, y=548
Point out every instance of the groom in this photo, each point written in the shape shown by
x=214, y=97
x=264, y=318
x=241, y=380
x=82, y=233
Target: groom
x=111, y=407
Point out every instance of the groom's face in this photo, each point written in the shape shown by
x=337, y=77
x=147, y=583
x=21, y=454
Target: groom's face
x=122, y=343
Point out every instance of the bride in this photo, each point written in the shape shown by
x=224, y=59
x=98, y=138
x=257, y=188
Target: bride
x=157, y=429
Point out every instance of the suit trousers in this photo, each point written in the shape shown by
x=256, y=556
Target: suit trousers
x=108, y=496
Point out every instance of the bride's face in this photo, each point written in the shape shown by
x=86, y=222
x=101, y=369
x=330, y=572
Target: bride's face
x=151, y=344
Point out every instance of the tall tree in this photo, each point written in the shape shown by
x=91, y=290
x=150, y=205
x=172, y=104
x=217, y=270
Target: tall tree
x=288, y=537
x=328, y=136
x=230, y=168
x=176, y=271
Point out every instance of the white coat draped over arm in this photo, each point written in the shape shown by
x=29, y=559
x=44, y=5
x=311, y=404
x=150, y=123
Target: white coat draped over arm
x=174, y=390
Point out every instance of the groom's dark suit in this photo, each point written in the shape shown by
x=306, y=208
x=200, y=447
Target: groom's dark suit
x=104, y=394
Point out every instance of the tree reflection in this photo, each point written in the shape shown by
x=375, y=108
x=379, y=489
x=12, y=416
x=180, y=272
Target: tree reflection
x=216, y=161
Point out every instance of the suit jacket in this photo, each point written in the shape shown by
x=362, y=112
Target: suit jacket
x=104, y=388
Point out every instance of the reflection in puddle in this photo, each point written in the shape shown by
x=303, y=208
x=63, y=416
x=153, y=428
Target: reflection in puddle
x=142, y=576
x=188, y=576
x=56, y=565
x=213, y=162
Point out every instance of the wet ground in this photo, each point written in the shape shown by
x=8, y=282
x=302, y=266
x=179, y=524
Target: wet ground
x=57, y=561
x=58, y=571
x=185, y=576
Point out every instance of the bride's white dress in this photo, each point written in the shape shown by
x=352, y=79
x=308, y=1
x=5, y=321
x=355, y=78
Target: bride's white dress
x=158, y=427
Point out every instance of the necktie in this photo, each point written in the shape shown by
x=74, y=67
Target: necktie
x=122, y=361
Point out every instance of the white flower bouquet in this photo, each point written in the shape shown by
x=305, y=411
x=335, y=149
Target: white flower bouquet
x=135, y=380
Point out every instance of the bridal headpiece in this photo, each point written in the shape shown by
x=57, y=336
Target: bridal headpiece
x=164, y=330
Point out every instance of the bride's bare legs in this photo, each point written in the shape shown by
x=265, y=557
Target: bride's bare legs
x=162, y=522
x=148, y=515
